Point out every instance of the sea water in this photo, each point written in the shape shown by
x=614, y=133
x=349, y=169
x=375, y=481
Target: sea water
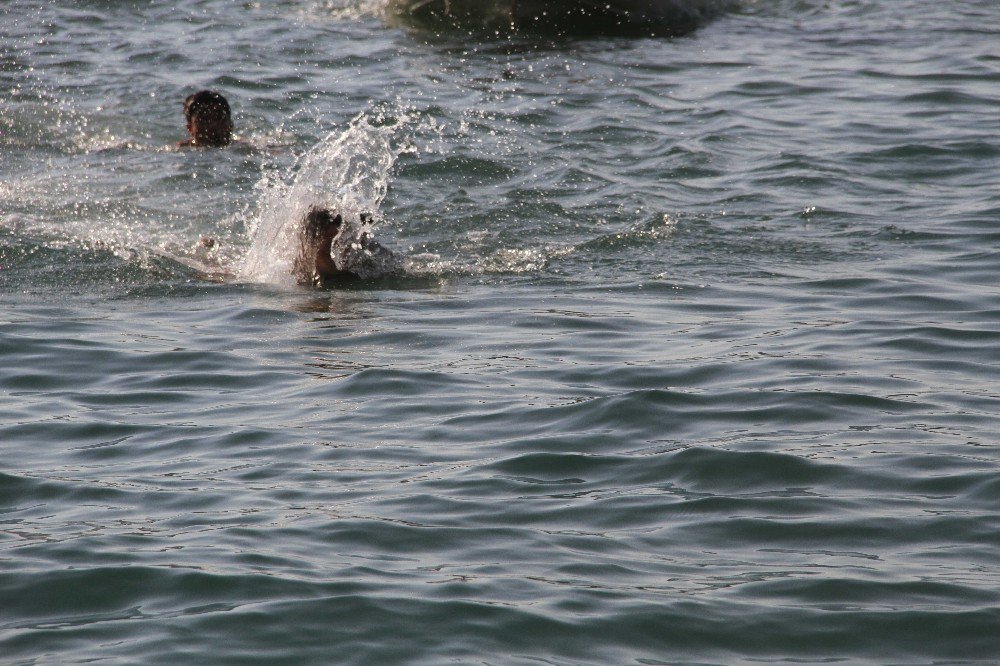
x=694, y=360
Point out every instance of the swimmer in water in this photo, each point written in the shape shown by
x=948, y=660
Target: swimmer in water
x=331, y=250
x=313, y=263
x=209, y=120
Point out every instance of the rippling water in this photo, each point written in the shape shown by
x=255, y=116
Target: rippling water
x=694, y=361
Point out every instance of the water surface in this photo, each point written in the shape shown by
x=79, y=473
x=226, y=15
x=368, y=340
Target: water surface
x=694, y=360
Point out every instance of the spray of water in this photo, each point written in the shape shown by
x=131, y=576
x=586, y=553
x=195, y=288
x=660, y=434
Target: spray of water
x=348, y=171
x=346, y=10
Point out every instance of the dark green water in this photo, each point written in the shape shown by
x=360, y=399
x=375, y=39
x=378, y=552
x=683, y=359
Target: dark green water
x=695, y=359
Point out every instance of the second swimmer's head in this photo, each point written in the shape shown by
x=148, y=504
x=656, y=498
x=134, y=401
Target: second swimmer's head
x=209, y=119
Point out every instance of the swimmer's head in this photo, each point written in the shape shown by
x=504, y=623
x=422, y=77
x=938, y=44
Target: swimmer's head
x=209, y=119
x=321, y=225
x=313, y=262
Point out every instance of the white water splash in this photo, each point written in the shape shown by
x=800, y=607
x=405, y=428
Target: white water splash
x=348, y=171
x=344, y=10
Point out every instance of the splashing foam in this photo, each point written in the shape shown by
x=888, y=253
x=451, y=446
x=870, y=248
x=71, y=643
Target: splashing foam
x=348, y=171
x=346, y=10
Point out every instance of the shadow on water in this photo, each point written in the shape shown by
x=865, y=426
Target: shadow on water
x=639, y=18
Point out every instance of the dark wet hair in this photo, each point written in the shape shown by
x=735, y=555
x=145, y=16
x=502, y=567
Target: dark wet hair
x=209, y=105
x=320, y=222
